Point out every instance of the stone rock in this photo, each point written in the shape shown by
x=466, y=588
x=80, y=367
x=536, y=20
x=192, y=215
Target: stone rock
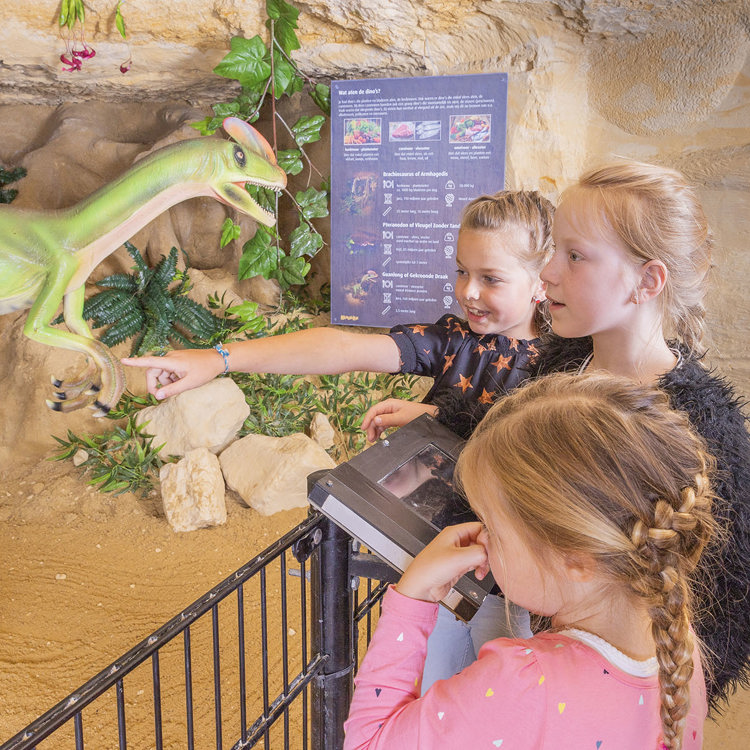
x=321, y=432
x=206, y=417
x=192, y=491
x=270, y=474
x=80, y=457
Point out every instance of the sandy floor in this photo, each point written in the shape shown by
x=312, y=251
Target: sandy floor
x=86, y=576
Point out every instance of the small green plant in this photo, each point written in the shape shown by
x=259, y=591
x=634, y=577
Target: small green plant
x=123, y=460
x=151, y=306
x=265, y=74
x=345, y=398
x=283, y=404
x=8, y=177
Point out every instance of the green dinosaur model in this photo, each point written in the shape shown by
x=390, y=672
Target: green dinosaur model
x=46, y=256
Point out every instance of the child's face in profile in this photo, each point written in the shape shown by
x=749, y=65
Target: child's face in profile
x=590, y=278
x=495, y=290
x=518, y=570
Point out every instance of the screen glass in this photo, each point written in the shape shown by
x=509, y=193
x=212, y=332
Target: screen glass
x=425, y=483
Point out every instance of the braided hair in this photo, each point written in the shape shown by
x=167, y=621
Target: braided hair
x=597, y=465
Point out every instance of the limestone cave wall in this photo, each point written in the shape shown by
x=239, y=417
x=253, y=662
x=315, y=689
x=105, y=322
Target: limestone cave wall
x=657, y=80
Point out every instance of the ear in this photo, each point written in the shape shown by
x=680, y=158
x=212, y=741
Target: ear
x=579, y=568
x=653, y=277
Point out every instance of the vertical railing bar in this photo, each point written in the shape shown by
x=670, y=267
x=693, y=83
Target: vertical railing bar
x=189, y=691
x=217, y=675
x=284, y=644
x=303, y=627
x=120, y=692
x=241, y=644
x=264, y=645
x=156, y=680
x=369, y=612
x=78, y=724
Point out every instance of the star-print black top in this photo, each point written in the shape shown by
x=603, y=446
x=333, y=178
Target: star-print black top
x=479, y=368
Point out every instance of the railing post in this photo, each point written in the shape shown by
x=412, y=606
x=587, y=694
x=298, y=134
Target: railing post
x=332, y=635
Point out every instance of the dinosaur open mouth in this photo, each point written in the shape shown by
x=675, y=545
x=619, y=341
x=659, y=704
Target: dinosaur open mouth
x=242, y=191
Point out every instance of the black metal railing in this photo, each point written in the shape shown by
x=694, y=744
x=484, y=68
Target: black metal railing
x=281, y=638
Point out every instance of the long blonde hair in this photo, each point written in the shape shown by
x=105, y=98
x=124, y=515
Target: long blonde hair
x=527, y=210
x=657, y=215
x=599, y=466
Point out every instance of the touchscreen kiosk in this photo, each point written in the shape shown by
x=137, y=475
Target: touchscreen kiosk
x=395, y=496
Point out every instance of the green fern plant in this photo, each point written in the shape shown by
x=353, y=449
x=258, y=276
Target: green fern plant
x=7, y=177
x=147, y=306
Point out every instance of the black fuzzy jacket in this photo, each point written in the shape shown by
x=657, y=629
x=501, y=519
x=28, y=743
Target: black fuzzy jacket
x=723, y=585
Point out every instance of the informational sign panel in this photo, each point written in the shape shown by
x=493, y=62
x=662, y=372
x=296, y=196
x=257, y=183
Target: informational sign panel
x=407, y=154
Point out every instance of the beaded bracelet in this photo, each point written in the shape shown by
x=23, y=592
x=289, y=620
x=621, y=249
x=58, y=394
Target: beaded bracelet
x=225, y=354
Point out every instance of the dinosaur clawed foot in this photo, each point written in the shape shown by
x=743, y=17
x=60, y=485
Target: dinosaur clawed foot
x=77, y=396
x=88, y=390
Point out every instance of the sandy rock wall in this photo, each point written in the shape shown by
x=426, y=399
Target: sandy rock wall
x=659, y=81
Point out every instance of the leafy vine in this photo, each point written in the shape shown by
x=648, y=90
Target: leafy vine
x=265, y=74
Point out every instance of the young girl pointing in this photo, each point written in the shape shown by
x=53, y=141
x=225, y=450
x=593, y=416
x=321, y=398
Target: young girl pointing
x=596, y=505
x=503, y=243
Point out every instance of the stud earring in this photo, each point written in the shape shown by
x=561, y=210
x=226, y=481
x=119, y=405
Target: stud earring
x=635, y=299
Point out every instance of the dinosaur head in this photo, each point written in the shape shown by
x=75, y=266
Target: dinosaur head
x=251, y=160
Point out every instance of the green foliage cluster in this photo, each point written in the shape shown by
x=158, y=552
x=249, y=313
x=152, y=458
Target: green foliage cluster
x=148, y=306
x=283, y=404
x=267, y=72
x=123, y=460
x=7, y=177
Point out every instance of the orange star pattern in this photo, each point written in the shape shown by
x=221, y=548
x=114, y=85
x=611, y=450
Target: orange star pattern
x=480, y=349
x=503, y=363
x=419, y=329
x=486, y=397
x=427, y=351
x=458, y=328
x=513, y=344
x=448, y=361
x=464, y=383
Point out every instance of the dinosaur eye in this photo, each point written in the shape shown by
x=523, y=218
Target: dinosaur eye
x=239, y=156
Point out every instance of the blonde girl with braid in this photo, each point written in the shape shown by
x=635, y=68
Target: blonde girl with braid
x=626, y=290
x=595, y=505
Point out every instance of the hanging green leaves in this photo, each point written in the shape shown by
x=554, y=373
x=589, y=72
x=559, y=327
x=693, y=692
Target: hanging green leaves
x=266, y=72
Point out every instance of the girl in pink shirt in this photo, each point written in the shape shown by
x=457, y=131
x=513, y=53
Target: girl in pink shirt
x=595, y=500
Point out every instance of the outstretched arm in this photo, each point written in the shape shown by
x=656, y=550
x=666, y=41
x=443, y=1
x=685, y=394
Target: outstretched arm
x=393, y=412
x=314, y=351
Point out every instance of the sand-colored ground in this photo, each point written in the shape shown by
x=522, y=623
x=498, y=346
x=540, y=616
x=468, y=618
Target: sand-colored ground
x=86, y=576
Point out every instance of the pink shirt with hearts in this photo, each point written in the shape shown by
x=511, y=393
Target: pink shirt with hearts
x=549, y=691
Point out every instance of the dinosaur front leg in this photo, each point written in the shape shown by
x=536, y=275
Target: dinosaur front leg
x=38, y=329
